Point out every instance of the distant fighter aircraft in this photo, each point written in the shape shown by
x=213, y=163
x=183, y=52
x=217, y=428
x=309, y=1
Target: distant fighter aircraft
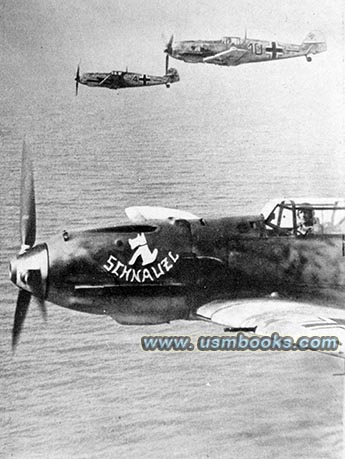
x=123, y=79
x=280, y=271
x=231, y=51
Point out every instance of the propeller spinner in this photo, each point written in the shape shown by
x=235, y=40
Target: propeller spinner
x=29, y=270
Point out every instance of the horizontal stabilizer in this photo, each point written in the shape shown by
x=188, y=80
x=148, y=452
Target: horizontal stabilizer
x=172, y=71
x=314, y=38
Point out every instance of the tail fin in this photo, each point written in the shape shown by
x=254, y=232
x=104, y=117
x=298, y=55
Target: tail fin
x=172, y=75
x=314, y=42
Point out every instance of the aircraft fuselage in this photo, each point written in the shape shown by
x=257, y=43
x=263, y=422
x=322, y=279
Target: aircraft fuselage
x=119, y=79
x=164, y=271
x=245, y=50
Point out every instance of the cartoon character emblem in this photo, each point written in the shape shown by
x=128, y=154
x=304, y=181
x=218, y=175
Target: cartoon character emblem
x=139, y=246
x=142, y=250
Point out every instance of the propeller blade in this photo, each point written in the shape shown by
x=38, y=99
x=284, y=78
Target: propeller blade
x=42, y=307
x=34, y=279
x=31, y=278
x=166, y=64
x=77, y=79
x=168, y=48
x=23, y=302
x=27, y=203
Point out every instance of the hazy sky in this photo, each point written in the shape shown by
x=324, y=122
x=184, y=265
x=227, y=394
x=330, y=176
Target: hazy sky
x=45, y=38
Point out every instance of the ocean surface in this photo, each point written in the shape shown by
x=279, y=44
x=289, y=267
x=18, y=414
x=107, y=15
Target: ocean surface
x=220, y=142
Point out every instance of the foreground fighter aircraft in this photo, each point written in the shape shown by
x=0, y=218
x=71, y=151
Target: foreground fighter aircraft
x=280, y=271
x=231, y=51
x=123, y=79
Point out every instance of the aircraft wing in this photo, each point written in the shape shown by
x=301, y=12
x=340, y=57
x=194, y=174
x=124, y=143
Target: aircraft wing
x=231, y=56
x=287, y=318
x=140, y=214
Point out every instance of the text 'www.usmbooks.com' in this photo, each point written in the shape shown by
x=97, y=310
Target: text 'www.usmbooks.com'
x=239, y=342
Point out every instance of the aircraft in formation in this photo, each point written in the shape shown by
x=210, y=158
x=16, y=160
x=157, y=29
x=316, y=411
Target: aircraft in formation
x=118, y=79
x=232, y=51
x=271, y=272
x=229, y=51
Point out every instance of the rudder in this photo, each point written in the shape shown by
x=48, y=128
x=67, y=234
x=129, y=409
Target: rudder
x=315, y=42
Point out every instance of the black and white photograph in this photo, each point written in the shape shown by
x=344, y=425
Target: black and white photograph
x=172, y=229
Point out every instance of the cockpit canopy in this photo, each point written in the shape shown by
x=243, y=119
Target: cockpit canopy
x=282, y=216
x=231, y=40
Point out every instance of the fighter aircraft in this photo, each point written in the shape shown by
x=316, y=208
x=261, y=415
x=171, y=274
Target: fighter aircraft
x=231, y=51
x=279, y=271
x=124, y=79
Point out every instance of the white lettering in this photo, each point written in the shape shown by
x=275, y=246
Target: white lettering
x=115, y=270
x=136, y=275
x=152, y=273
x=174, y=258
x=160, y=273
x=110, y=263
x=166, y=264
x=147, y=275
x=126, y=272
